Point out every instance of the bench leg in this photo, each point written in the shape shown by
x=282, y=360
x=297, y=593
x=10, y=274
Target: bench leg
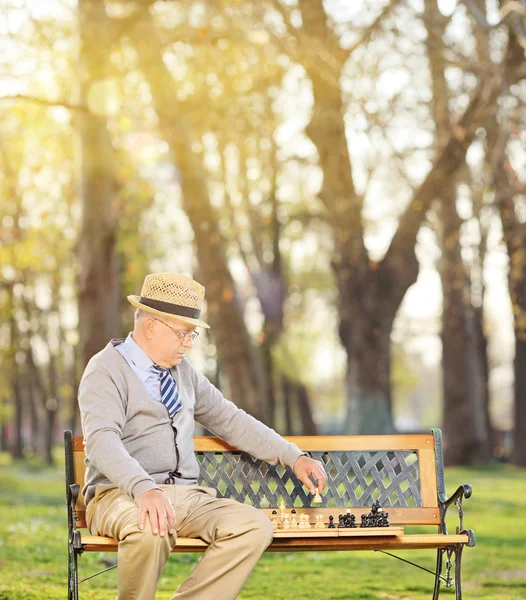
x=458, y=565
x=73, y=573
x=438, y=572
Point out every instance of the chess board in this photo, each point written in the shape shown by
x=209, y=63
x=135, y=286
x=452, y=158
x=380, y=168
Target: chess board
x=339, y=532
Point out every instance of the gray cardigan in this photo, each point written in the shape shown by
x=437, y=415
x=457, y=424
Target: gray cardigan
x=131, y=441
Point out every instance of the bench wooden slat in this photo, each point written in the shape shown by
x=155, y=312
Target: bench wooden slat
x=428, y=477
x=305, y=442
x=95, y=543
x=397, y=516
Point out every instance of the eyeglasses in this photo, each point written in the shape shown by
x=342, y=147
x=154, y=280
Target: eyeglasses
x=191, y=336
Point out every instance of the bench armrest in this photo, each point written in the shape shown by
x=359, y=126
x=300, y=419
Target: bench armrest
x=73, y=491
x=463, y=491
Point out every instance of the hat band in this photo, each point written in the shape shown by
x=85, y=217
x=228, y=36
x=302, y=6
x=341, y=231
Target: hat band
x=173, y=309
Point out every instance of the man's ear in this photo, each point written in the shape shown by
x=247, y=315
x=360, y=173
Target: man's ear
x=148, y=326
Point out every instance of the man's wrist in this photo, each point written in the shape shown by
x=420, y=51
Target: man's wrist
x=142, y=487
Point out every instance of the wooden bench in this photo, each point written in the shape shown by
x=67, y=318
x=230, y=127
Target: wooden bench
x=404, y=473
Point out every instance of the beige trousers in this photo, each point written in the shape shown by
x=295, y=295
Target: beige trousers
x=237, y=533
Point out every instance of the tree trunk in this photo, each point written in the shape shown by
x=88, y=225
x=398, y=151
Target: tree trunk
x=308, y=425
x=98, y=289
x=18, y=451
x=239, y=359
x=518, y=454
x=34, y=418
x=287, y=390
x=466, y=439
x=514, y=233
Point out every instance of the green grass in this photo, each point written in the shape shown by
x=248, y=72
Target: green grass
x=33, y=550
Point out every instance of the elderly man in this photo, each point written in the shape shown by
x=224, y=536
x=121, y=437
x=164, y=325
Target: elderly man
x=138, y=399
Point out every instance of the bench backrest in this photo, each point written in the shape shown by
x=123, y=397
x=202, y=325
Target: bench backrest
x=403, y=472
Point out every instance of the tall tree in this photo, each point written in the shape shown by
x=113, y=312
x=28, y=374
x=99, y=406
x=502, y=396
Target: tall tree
x=466, y=438
x=98, y=286
x=507, y=189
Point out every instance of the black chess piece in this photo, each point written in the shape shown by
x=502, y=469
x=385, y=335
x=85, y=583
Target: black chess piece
x=364, y=521
x=341, y=522
x=331, y=522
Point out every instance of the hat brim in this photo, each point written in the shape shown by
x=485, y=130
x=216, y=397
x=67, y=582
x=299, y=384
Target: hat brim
x=134, y=301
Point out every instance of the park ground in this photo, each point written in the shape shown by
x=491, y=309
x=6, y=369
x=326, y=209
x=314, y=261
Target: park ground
x=33, y=562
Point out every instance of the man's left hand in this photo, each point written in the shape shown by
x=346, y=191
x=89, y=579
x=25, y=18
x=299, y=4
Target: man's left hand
x=304, y=467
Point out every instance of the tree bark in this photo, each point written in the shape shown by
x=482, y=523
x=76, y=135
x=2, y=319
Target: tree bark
x=98, y=289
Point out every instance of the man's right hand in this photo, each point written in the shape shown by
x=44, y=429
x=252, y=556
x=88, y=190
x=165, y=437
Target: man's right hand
x=160, y=510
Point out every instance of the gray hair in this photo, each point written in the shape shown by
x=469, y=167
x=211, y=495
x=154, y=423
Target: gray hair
x=139, y=315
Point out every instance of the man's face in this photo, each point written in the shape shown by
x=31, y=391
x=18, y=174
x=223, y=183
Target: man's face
x=168, y=346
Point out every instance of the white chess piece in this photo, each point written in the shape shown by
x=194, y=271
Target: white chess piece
x=294, y=522
x=275, y=522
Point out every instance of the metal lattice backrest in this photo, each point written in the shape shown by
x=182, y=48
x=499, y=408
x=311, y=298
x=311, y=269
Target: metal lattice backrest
x=356, y=478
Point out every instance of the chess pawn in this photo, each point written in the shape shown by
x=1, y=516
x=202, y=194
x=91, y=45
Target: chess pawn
x=331, y=522
x=319, y=522
x=293, y=520
x=274, y=519
x=286, y=522
x=304, y=521
x=317, y=497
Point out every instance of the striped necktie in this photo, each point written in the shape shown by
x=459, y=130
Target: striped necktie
x=169, y=393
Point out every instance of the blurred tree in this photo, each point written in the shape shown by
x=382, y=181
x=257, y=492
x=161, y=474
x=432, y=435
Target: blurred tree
x=98, y=283
x=502, y=127
x=465, y=408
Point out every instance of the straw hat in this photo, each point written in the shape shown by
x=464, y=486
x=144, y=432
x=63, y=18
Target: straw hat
x=172, y=295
